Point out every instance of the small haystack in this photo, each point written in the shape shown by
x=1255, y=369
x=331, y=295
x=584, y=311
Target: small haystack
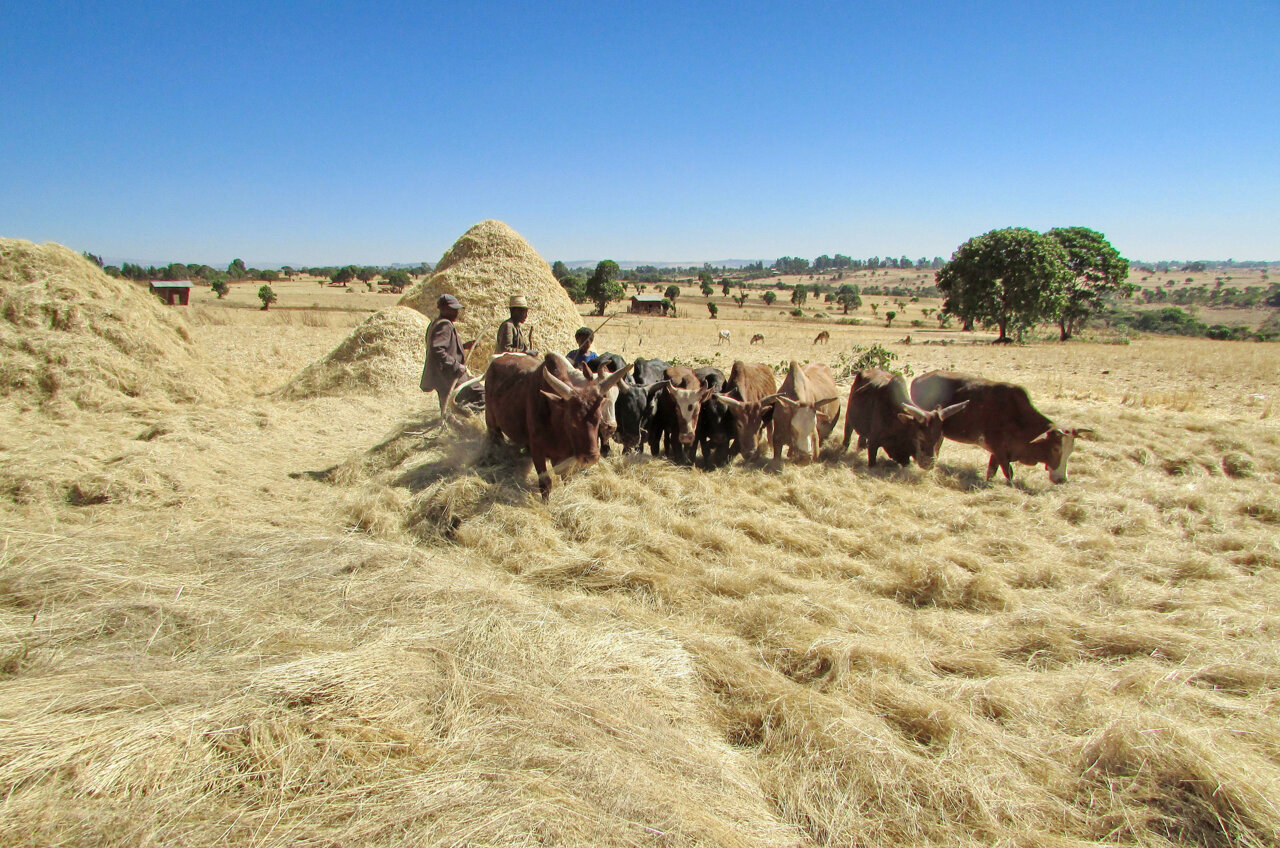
x=483, y=269
x=383, y=355
x=73, y=337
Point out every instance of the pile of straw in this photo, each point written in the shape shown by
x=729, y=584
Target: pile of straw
x=483, y=269
x=73, y=337
x=383, y=355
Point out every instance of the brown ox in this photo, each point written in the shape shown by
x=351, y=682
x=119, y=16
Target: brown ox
x=805, y=411
x=884, y=417
x=822, y=338
x=758, y=337
x=1001, y=419
x=675, y=419
x=543, y=406
x=749, y=384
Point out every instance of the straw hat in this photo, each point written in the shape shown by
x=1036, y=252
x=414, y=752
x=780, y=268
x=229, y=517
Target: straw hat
x=518, y=301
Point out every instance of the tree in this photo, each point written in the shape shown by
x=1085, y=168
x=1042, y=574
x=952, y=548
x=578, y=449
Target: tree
x=769, y=297
x=712, y=308
x=667, y=306
x=799, y=295
x=848, y=296
x=704, y=277
x=237, y=270
x=576, y=287
x=741, y=298
x=1098, y=271
x=603, y=286
x=268, y=276
x=707, y=291
x=219, y=288
x=672, y=293
x=267, y=296
x=888, y=318
x=96, y=260
x=344, y=275
x=1012, y=278
x=367, y=274
x=559, y=270
x=724, y=287
x=399, y=280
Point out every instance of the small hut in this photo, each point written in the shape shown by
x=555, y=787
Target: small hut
x=646, y=304
x=172, y=292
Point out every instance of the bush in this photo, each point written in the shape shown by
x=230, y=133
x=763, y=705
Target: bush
x=862, y=357
x=797, y=312
x=219, y=288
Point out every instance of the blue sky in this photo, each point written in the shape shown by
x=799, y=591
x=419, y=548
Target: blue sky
x=320, y=133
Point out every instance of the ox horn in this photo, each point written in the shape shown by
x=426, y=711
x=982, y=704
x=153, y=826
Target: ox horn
x=560, y=387
x=914, y=411
x=826, y=401
x=953, y=409
x=731, y=402
x=613, y=379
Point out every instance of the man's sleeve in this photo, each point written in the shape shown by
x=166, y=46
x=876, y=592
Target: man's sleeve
x=504, y=338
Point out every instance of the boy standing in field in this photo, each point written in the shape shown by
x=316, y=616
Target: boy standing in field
x=584, y=337
x=446, y=355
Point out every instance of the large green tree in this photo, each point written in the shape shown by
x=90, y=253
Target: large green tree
x=559, y=270
x=1098, y=272
x=1012, y=278
x=603, y=286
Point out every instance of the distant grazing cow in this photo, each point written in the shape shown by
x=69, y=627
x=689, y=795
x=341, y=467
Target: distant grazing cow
x=758, y=337
x=544, y=407
x=822, y=338
x=646, y=372
x=805, y=411
x=884, y=417
x=715, y=421
x=675, y=422
x=1001, y=419
x=724, y=337
x=749, y=383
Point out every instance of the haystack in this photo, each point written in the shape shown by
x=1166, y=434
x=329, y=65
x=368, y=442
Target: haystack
x=483, y=269
x=383, y=355
x=73, y=337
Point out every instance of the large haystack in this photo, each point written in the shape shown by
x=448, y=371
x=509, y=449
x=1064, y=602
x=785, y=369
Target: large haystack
x=72, y=336
x=483, y=269
x=381, y=356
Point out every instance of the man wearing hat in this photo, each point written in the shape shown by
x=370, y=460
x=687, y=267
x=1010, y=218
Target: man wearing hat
x=513, y=337
x=446, y=355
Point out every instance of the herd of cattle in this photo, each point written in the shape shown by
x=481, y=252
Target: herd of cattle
x=567, y=416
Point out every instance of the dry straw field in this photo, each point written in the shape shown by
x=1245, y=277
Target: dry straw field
x=251, y=594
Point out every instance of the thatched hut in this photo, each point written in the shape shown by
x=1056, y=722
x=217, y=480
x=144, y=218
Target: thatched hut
x=484, y=268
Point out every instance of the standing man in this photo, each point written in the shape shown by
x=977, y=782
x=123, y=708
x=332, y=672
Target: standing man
x=446, y=355
x=513, y=337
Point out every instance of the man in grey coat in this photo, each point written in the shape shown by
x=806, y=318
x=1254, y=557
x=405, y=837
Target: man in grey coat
x=446, y=355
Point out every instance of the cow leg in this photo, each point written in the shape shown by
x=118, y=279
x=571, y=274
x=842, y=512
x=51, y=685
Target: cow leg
x=872, y=449
x=992, y=464
x=862, y=442
x=655, y=439
x=848, y=432
x=544, y=476
x=1007, y=467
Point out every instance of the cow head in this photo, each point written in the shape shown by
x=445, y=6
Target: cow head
x=688, y=403
x=1053, y=448
x=801, y=420
x=926, y=430
x=748, y=418
x=576, y=414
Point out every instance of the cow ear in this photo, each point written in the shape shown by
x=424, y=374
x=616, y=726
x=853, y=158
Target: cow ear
x=706, y=395
x=549, y=396
x=906, y=418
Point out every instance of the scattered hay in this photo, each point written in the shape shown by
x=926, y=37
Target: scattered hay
x=483, y=269
x=72, y=337
x=383, y=355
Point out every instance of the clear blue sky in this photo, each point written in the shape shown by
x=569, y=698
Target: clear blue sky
x=319, y=133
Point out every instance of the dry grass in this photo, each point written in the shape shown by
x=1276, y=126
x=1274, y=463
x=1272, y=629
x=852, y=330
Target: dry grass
x=328, y=621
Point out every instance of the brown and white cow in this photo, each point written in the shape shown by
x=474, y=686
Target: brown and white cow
x=883, y=415
x=544, y=407
x=1000, y=418
x=675, y=421
x=749, y=384
x=805, y=411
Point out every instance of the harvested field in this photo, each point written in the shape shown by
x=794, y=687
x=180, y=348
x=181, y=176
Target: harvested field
x=257, y=616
